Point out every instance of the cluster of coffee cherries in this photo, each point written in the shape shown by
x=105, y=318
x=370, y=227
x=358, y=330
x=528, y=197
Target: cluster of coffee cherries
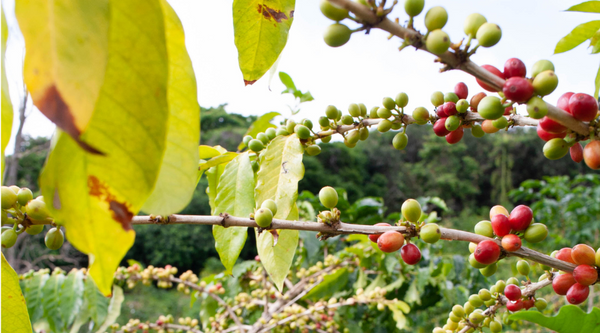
x=511, y=229
x=164, y=324
x=26, y=214
x=264, y=215
x=575, y=286
x=304, y=132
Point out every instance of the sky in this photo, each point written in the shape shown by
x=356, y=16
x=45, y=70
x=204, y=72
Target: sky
x=366, y=69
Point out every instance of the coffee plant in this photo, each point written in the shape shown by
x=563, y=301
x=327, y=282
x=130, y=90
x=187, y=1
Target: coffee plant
x=121, y=89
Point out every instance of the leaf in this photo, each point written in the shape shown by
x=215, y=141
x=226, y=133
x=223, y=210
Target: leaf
x=218, y=160
x=95, y=196
x=51, y=302
x=208, y=308
x=71, y=297
x=277, y=260
x=235, y=196
x=570, y=319
x=7, y=109
x=114, y=308
x=595, y=42
x=286, y=79
x=32, y=290
x=280, y=171
x=15, y=318
x=586, y=7
x=94, y=302
x=207, y=152
x=597, y=84
x=260, y=125
x=331, y=284
x=261, y=31
x=176, y=181
x=58, y=73
x=213, y=175
x=580, y=34
x=399, y=317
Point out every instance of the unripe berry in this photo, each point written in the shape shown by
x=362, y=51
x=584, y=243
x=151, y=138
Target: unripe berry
x=263, y=138
x=474, y=103
x=337, y=35
x=420, y=115
x=414, y=7
x=401, y=100
x=374, y=238
x=523, y=267
x=458, y=310
x=585, y=275
x=290, y=125
x=578, y=293
x=390, y=241
x=332, y=11
x=437, y=98
x=536, y=233
x=411, y=210
x=271, y=205
x=472, y=24
x=487, y=126
x=271, y=133
x=484, y=294
x=511, y=242
x=328, y=197
x=34, y=229
x=490, y=107
x=389, y=104
x=472, y=247
x=347, y=119
x=540, y=66
x=477, y=131
x=37, y=210
x=363, y=134
x=438, y=42
x=9, y=197
x=452, y=123
x=436, y=18
x=545, y=83
x=583, y=107
x=476, y=318
x=9, y=238
x=498, y=209
x=384, y=126
x=313, y=150
x=384, y=113
x=487, y=252
x=331, y=112
x=484, y=228
x=363, y=109
x=430, y=233
x=556, y=149
x=500, y=123
x=24, y=196
x=400, y=141
x=256, y=145
x=562, y=283
x=474, y=263
x=489, y=34
x=410, y=254
x=537, y=108
x=263, y=217
x=54, y=239
x=282, y=131
x=373, y=112
x=489, y=270
x=495, y=326
x=462, y=106
x=352, y=137
x=540, y=304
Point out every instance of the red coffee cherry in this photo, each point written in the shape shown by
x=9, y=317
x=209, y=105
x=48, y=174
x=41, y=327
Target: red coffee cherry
x=520, y=217
x=591, y=154
x=518, y=89
x=511, y=242
x=583, y=107
x=512, y=292
x=439, y=127
x=585, y=275
x=390, y=241
x=508, y=110
x=474, y=103
x=583, y=254
x=410, y=254
x=576, y=152
x=501, y=225
x=564, y=254
x=487, y=252
x=461, y=90
x=562, y=283
x=578, y=293
x=551, y=126
x=450, y=108
x=563, y=101
x=514, y=306
x=494, y=71
x=374, y=238
x=546, y=136
x=528, y=303
x=455, y=136
x=514, y=67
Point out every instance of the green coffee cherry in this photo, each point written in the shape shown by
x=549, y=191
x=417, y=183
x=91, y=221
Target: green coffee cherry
x=246, y=139
x=37, y=210
x=271, y=205
x=484, y=228
x=436, y=18
x=400, y=141
x=308, y=123
x=469, y=308
x=452, y=123
x=354, y=110
x=9, y=238
x=485, y=295
x=401, y=100
x=332, y=11
x=472, y=247
x=263, y=217
x=458, y=311
x=462, y=106
x=414, y=7
x=500, y=123
x=352, y=137
x=24, y=196
x=438, y=42
x=5, y=219
x=349, y=144
x=263, y=138
x=500, y=285
x=384, y=113
x=430, y=233
x=490, y=107
x=495, y=326
x=489, y=270
x=437, y=98
x=281, y=132
x=477, y=131
x=489, y=34
x=540, y=304
x=54, y=239
x=541, y=66
x=326, y=139
x=302, y=132
x=420, y=115
x=544, y=83
x=347, y=120
x=9, y=197
x=454, y=317
x=473, y=262
x=373, y=112
x=271, y=133
x=256, y=145
x=388, y=103
x=523, y=267
x=555, y=149
x=331, y=112
x=411, y=210
x=363, y=109
x=313, y=150
x=512, y=280
x=363, y=134
x=34, y=229
x=536, y=233
x=255, y=166
x=337, y=35
x=472, y=24
x=384, y=126
x=339, y=116
x=450, y=97
x=328, y=197
x=290, y=125
x=537, y=108
x=476, y=317
x=324, y=122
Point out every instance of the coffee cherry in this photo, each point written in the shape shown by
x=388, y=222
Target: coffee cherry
x=390, y=241
x=514, y=67
x=528, y=303
x=512, y=280
x=373, y=112
x=476, y=318
x=410, y=254
x=556, y=149
x=363, y=134
x=400, y=141
x=544, y=83
x=24, y=196
x=37, y=210
x=512, y=292
x=490, y=107
x=477, y=131
x=474, y=263
x=472, y=24
x=583, y=254
x=290, y=126
x=282, y=132
x=271, y=205
x=9, y=197
x=488, y=126
x=374, y=238
x=420, y=115
x=384, y=113
x=475, y=300
x=54, y=239
x=520, y=217
x=411, y=210
x=450, y=108
x=436, y=18
x=564, y=254
x=264, y=138
x=328, y=197
x=598, y=257
x=517, y=89
x=401, y=100
x=452, y=123
x=354, y=110
x=552, y=126
x=540, y=304
x=337, y=35
x=483, y=85
x=563, y=101
x=495, y=326
x=498, y=209
x=437, y=98
x=414, y=7
x=578, y=293
x=9, y=238
x=489, y=270
x=263, y=217
x=396, y=126
x=256, y=145
x=576, y=152
x=583, y=107
x=439, y=127
x=430, y=233
x=591, y=154
x=536, y=233
x=458, y=310
x=511, y=242
x=272, y=133
x=352, y=137
x=540, y=66
x=255, y=166
x=472, y=247
x=523, y=267
x=450, y=97
x=332, y=11
x=514, y=306
x=438, y=42
x=489, y=34
x=34, y=229
x=384, y=126
x=546, y=136
x=474, y=103
x=331, y=112
x=441, y=111
x=313, y=150
x=363, y=109
x=585, y=274
x=487, y=252
x=500, y=123
x=537, y=108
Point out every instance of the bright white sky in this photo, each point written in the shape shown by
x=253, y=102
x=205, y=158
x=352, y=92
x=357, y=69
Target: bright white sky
x=365, y=70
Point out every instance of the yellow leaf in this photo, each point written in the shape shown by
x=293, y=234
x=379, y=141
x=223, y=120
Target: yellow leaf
x=7, y=109
x=15, y=318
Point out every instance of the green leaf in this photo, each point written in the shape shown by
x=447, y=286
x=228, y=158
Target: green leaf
x=213, y=175
x=331, y=284
x=595, y=42
x=286, y=79
x=82, y=318
x=32, y=289
x=15, y=318
x=7, y=109
x=570, y=319
x=597, y=84
x=176, y=181
x=94, y=302
x=261, y=31
x=580, y=34
x=71, y=297
x=95, y=196
x=208, y=308
x=51, y=302
x=378, y=282
x=217, y=160
x=235, y=196
x=280, y=171
x=207, y=152
x=114, y=308
x=586, y=7
x=398, y=316
x=260, y=125
x=277, y=259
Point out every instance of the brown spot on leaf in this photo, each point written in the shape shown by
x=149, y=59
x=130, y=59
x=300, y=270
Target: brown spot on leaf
x=275, y=236
x=121, y=212
x=270, y=13
x=249, y=83
x=53, y=106
x=292, y=14
x=56, y=200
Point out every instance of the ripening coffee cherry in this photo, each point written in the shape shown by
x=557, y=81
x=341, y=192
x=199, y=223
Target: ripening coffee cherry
x=256, y=145
x=313, y=150
x=263, y=137
x=490, y=108
x=520, y=217
x=474, y=103
x=450, y=97
x=487, y=252
x=472, y=23
x=512, y=292
x=484, y=228
x=9, y=238
x=411, y=210
x=585, y=274
x=576, y=152
x=400, y=141
x=328, y=197
x=263, y=217
x=523, y=267
x=390, y=241
x=536, y=233
x=511, y=242
x=331, y=112
x=489, y=34
x=439, y=127
x=54, y=239
x=583, y=107
x=384, y=126
x=498, y=209
x=24, y=196
x=537, y=108
x=517, y=89
x=437, y=98
x=556, y=149
x=438, y=42
x=489, y=270
x=546, y=136
x=591, y=154
x=452, y=123
x=488, y=126
x=414, y=7
x=436, y=18
x=564, y=254
x=477, y=131
x=545, y=82
x=420, y=115
x=514, y=306
x=332, y=11
x=583, y=254
x=337, y=35
x=541, y=66
x=430, y=233
x=374, y=238
x=34, y=229
x=410, y=253
x=9, y=197
x=271, y=205
x=578, y=293
x=500, y=123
